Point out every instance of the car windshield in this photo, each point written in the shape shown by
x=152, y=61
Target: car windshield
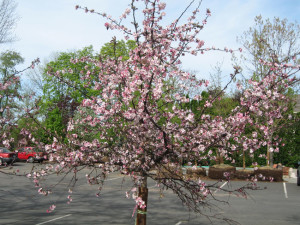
x=4, y=150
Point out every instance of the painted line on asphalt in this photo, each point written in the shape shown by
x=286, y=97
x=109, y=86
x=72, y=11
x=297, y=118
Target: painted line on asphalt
x=220, y=187
x=154, y=186
x=284, y=189
x=114, y=178
x=58, y=218
x=180, y=222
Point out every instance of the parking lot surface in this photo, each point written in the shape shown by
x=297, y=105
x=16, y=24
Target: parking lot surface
x=276, y=204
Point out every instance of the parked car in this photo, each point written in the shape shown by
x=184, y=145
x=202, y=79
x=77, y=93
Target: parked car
x=298, y=174
x=6, y=156
x=31, y=154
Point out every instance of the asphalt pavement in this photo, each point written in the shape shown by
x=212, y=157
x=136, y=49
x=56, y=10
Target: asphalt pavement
x=277, y=203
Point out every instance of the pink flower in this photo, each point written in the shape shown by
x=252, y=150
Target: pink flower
x=127, y=11
x=161, y=6
x=200, y=44
x=190, y=118
x=208, y=104
x=51, y=208
x=107, y=25
x=206, y=83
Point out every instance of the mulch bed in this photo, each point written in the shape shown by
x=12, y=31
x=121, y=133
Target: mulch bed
x=244, y=174
x=221, y=171
x=194, y=173
x=266, y=174
x=269, y=174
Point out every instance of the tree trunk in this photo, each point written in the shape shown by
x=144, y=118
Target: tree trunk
x=268, y=155
x=221, y=159
x=142, y=213
x=271, y=154
x=271, y=159
x=244, y=160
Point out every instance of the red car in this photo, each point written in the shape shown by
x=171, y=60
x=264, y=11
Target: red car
x=31, y=154
x=6, y=156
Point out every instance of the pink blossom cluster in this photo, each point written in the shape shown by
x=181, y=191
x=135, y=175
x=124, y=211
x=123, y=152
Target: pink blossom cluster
x=51, y=208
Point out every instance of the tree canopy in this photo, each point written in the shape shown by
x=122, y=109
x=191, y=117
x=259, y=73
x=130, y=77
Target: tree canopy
x=8, y=20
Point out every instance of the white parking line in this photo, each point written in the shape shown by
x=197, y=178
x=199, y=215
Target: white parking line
x=220, y=187
x=284, y=189
x=154, y=186
x=114, y=178
x=54, y=219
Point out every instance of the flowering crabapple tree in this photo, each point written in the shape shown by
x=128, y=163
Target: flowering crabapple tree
x=138, y=123
x=266, y=103
x=275, y=41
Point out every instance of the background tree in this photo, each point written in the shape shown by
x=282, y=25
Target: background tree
x=275, y=41
x=117, y=49
x=268, y=40
x=9, y=90
x=36, y=81
x=62, y=94
x=8, y=62
x=289, y=154
x=8, y=20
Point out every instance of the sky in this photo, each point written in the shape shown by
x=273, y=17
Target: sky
x=50, y=26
